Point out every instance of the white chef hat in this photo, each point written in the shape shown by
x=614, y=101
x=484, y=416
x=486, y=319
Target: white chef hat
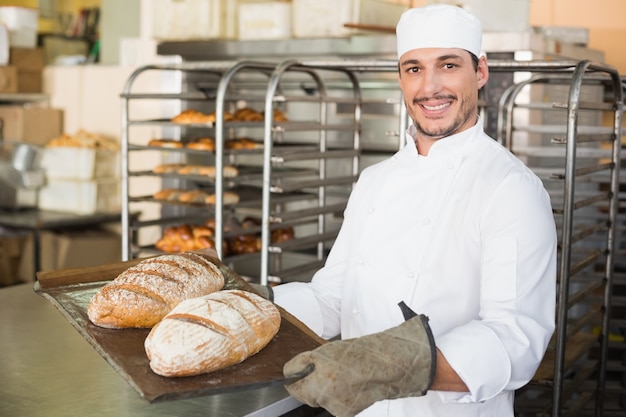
x=438, y=26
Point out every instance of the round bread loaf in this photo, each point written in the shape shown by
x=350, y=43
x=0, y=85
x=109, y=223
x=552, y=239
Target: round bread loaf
x=212, y=332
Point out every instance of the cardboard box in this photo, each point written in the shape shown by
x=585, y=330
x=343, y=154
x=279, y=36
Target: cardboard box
x=27, y=59
x=265, y=20
x=71, y=249
x=8, y=79
x=29, y=63
x=11, y=249
x=497, y=15
x=21, y=23
x=178, y=20
x=81, y=197
x=326, y=18
x=72, y=163
x=29, y=81
x=32, y=125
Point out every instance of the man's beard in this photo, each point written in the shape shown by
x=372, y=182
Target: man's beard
x=464, y=115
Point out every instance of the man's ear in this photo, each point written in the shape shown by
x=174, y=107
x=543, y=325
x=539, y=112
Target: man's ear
x=482, y=74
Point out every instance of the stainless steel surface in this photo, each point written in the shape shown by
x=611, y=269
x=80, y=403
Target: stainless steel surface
x=26, y=157
x=23, y=98
x=21, y=175
x=36, y=221
x=49, y=370
x=585, y=215
x=363, y=46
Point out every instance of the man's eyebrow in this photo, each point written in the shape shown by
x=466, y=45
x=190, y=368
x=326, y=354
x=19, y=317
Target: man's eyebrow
x=410, y=62
x=442, y=58
x=449, y=56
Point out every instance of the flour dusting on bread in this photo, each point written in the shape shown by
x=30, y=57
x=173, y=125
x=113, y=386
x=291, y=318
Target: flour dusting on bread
x=143, y=294
x=212, y=332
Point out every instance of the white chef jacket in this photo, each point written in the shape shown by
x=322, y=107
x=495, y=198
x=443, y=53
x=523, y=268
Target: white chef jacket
x=466, y=236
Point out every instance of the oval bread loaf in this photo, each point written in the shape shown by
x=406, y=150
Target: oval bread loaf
x=212, y=332
x=143, y=294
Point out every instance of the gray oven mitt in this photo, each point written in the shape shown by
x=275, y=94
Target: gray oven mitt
x=350, y=375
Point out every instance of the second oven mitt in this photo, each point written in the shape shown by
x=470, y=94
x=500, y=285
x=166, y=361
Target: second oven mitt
x=350, y=375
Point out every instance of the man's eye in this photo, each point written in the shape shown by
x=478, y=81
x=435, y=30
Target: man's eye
x=449, y=66
x=413, y=70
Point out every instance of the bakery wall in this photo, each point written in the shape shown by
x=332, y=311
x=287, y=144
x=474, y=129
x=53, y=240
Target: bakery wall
x=604, y=19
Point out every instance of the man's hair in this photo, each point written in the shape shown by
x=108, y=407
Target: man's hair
x=474, y=61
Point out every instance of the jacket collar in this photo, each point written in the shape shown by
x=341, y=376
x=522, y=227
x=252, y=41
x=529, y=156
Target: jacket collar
x=449, y=145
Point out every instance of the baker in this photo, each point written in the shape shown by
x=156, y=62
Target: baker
x=441, y=282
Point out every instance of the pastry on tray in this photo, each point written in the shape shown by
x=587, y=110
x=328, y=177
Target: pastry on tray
x=202, y=144
x=165, y=143
x=193, y=116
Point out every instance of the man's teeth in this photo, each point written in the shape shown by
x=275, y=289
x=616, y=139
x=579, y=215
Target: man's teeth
x=439, y=107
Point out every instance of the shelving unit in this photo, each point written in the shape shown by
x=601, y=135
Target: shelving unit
x=162, y=127
x=284, y=180
x=331, y=186
x=579, y=164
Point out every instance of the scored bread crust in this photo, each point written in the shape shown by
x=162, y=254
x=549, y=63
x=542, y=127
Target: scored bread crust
x=143, y=294
x=210, y=333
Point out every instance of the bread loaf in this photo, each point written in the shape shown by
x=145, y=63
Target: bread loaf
x=143, y=294
x=212, y=332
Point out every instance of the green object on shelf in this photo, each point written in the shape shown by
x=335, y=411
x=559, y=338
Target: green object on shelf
x=94, y=53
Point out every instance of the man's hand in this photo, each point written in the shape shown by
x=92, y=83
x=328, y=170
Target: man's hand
x=350, y=375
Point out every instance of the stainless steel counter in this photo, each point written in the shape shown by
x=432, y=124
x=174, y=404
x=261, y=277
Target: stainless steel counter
x=48, y=369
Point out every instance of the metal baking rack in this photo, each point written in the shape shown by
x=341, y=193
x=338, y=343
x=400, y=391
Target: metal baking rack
x=296, y=151
x=576, y=151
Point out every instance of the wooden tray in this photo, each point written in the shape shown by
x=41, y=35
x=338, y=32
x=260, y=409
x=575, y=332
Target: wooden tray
x=71, y=290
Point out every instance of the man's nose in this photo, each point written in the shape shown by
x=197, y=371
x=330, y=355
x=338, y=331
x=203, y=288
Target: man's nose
x=431, y=83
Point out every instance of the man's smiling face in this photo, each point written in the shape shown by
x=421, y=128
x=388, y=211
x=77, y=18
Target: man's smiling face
x=440, y=88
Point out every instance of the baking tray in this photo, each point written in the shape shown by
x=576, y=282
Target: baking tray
x=70, y=291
